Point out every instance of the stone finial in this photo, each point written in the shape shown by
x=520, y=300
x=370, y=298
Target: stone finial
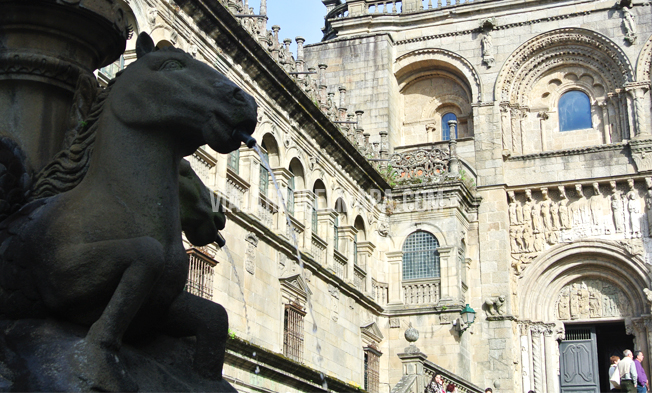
x=358, y=115
x=300, y=41
x=452, y=127
x=411, y=335
x=263, y=7
x=342, y=91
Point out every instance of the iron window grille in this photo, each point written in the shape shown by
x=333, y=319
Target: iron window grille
x=371, y=370
x=420, y=256
x=200, y=274
x=293, y=331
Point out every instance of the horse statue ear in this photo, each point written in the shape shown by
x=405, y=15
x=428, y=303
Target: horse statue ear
x=144, y=45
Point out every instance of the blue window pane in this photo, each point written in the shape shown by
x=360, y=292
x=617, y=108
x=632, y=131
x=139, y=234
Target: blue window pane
x=574, y=111
x=445, y=129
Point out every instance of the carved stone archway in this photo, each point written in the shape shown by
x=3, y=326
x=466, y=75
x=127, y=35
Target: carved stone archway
x=586, y=281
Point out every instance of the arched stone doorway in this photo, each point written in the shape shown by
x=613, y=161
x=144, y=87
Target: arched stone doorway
x=575, y=286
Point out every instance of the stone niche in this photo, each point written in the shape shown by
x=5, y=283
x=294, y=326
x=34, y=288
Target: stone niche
x=589, y=299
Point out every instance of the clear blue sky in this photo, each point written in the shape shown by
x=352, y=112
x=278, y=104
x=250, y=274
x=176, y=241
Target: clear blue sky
x=303, y=18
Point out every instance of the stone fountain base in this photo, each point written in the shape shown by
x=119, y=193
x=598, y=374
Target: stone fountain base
x=38, y=355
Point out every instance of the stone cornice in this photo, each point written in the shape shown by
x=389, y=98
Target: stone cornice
x=216, y=20
x=569, y=152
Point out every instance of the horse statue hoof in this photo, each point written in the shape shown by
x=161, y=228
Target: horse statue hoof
x=100, y=369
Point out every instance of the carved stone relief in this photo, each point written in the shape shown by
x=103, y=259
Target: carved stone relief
x=618, y=211
x=335, y=302
x=250, y=252
x=588, y=299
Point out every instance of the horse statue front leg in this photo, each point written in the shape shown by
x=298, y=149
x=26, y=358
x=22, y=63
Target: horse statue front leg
x=191, y=315
x=137, y=264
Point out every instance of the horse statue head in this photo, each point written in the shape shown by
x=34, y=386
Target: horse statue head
x=201, y=105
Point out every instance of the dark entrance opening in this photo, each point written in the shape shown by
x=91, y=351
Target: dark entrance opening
x=612, y=340
x=585, y=353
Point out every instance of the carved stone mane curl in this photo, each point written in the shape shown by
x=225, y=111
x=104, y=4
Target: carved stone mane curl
x=68, y=167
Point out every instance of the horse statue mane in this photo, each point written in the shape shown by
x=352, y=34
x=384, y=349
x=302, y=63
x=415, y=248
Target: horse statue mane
x=68, y=167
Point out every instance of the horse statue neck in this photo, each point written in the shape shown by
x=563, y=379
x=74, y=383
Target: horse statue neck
x=137, y=169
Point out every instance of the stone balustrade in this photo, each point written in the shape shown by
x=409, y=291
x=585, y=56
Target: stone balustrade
x=422, y=292
x=418, y=372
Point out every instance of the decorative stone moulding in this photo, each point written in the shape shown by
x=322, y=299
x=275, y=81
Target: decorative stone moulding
x=642, y=154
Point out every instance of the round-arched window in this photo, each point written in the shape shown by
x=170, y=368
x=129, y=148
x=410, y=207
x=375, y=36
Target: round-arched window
x=420, y=256
x=574, y=111
x=446, y=129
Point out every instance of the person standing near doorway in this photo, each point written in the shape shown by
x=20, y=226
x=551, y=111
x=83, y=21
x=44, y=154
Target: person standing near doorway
x=642, y=382
x=627, y=371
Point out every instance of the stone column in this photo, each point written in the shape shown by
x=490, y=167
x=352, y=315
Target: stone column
x=506, y=127
x=453, y=164
x=516, y=130
x=365, y=255
x=606, y=127
x=322, y=84
x=543, y=116
x=250, y=170
x=642, y=128
x=326, y=218
x=551, y=349
x=304, y=200
x=538, y=359
x=347, y=234
x=395, y=279
x=450, y=278
x=521, y=125
x=300, y=56
x=282, y=176
x=342, y=106
x=525, y=356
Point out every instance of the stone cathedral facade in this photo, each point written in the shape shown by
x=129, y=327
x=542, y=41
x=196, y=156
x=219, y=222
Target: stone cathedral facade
x=432, y=154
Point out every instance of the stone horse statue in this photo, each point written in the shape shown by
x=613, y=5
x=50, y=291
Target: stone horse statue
x=108, y=252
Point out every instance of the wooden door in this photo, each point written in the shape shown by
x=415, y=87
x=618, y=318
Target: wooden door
x=579, y=361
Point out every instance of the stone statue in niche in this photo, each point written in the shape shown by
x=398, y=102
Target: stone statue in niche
x=617, y=208
x=512, y=208
x=513, y=242
x=537, y=223
x=629, y=24
x=488, y=49
x=539, y=242
x=545, y=210
x=634, y=210
x=595, y=204
x=519, y=240
x=527, y=209
x=126, y=222
x=554, y=213
x=528, y=239
x=564, y=214
x=581, y=212
x=519, y=214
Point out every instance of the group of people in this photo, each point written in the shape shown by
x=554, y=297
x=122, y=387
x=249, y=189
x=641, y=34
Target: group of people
x=627, y=374
x=436, y=385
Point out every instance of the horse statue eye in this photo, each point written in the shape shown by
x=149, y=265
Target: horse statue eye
x=171, y=65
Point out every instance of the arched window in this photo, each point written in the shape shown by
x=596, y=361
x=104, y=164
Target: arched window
x=445, y=128
x=319, y=189
x=420, y=256
x=574, y=111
